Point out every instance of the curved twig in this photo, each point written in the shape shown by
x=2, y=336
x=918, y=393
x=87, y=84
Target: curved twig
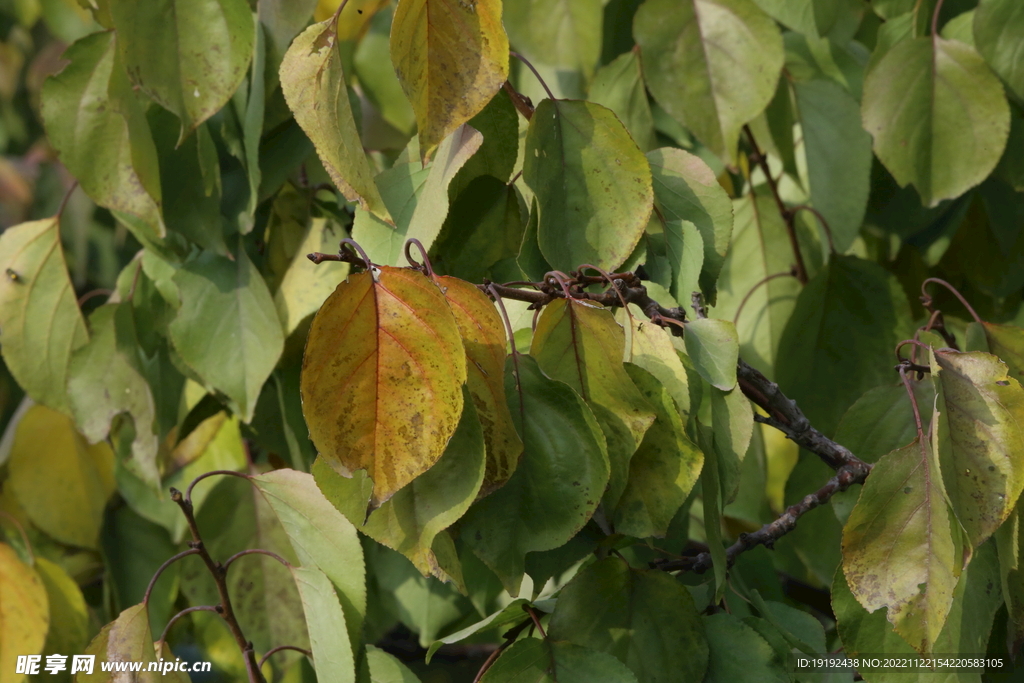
x=164, y=566
x=426, y=266
x=821, y=219
x=64, y=201
x=281, y=648
x=536, y=620
x=535, y=73
x=351, y=243
x=93, y=294
x=746, y=297
x=179, y=615
x=935, y=19
x=926, y=298
x=560, y=277
x=188, y=491
x=611, y=283
x=913, y=401
x=255, y=551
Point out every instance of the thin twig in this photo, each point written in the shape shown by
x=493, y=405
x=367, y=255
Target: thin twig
x=281, y=648
x=255, y=551
x=510, y=637
x=762, y=281
x=536, y=620
x=164, y=566
x=188, y=492
x=64, y=201
x=535, y=73
x=821, y=219
x=935, y=19
x=179, y=615
x=521, y=102
x=926, y=298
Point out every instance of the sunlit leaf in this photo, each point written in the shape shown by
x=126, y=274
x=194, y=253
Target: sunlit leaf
x=325, y=621
x=410, y=521
x=559, y=481
x=386, y=668
x=126, y=639
x=732, y=419
x=171, y=61
x=510, y=614
x=483, y=337
x=227, y=330
x=592, y=183
x=582, y=345
x=388, y=397
x=304, y=285
x=712, y=64
x=1007, y=342
x=544, y=661
x=40, y=323
x=314, y=86
x=650, y=347
x=619, y=85
x=902, y=545
x=321, y=537
x=938, y=116
x=24, y=612
x=713, y=347
x=644, y=617
x=451, y=59
x=663, y=470
x=62, y=482
x=980, y=434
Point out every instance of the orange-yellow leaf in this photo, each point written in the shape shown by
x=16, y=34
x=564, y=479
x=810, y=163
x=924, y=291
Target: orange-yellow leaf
x=451, y=57
x=483, y=335
x=24, y=614
x=382, y=377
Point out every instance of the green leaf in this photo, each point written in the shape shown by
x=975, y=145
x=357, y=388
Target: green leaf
x=644, y=617
x=386, y=668
x=280, y=21
x=433, y=44
x=619, y=85
x=558, y=483
x=592, y=184
x=24, y=613
x=712, y=64
x=712, y=503
x=314, y=86
x=111, y=360
x=417, y=197
x=564, y=33
x=582, y=345
x=99, y=129
x=714, y=349
x=227, y=330
x=170, y=60
x=810, y=17
x=126, y=639
x=839, y=340
x=663, y=470
x=40, y=323
x=980, y=434
x=650, y=347
x=902, y=545
x=544, y=661
x=997, y=27
x=686, y=189
x=321, y=537
x=376, y=75
x=760, y=248
x=727, y=635
x=325, y=622
x=684, y=248
x=838, y=157
x=304, y=285
x=411, y=519
x=510, y=614
x=938, y=116
x=732, y=419
x=61, y=481
x=497, y=156
x=975, y=602
x=1007, y=342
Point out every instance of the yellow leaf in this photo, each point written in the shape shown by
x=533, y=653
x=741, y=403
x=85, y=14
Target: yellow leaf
x=483, y=335
x=382, y=378
x=69, y=616
x=451, y=57
x=314, y=87
x=62, y=482
x=24, y=614
x=353, y=20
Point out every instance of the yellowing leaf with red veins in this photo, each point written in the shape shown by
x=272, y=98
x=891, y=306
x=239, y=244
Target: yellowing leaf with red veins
x=483, y=336
x=902, y=545
x=314, y=87
x=382, y=377
x=980, y=438
x=582, y=345
x=24, y=614
x=451, y=57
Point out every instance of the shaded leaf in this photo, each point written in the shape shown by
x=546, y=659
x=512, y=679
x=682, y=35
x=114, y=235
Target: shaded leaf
x=389, y=397
x=543, y=661
x=451, y=58
x=70, y=625
x=938, y=116
x=732, y=419
x=386, y=668
x=727, y=635
x=24, y=612
x=619, y=85
x=483, y=336
x=559, y=481
x=1007, y=342
x=314, y=86
x=663, y=470
x=714, y=349
x=510, y=614
x=997, y=27
x=99, y=128
x=650, y=347
x=811, y=17
x=376, y=74
x=321, y=537
x=40, y=323
x=325, y=622
x=564, y=33
x=592, y=184
x=62, y=482
x=685, y=189
x=497, y=156
x=643, y=617
x=902, y=546
x=304, y=285
x=712, y=64
x=582, y=345
x=980, y=434
x=171, y=61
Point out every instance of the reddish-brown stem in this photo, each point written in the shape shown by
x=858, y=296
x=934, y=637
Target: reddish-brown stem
x=763, y=281
x=787, y=214
x=352, y=244
x=160, y=570
x=521, y=102
x=926, y=298
x=93, y=294
x=510, y=637
x=425, y=266
x=536, y=620
x=282, y=648
x=535, y=73
x=255, y=551
x=821, y=220
x=913, y=402
x=179, y=615
x=211, y=473
x=24, y=536
x=64, y=201
x=935, y=19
